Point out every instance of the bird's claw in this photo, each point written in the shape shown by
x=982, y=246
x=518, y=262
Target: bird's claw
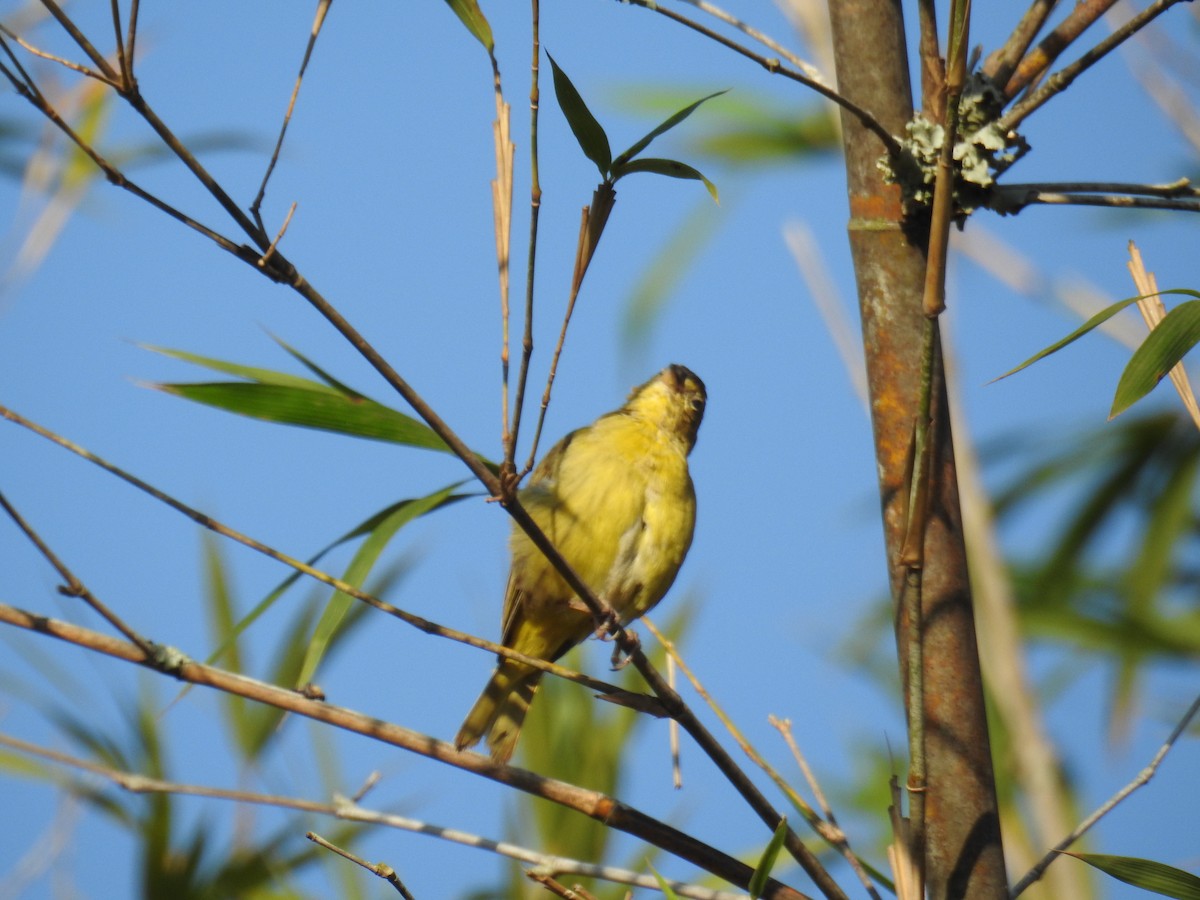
x=621, y=657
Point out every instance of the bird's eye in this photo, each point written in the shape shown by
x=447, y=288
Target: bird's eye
x=697, y=404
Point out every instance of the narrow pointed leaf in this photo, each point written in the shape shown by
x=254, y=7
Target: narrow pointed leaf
x=472, y=16
x=1165, y=346
x=1094, y=322
x=338, y=386
x=361, y=565
x=669, y=167
x=666, y=126
x=1146, y=874
x=250, y=373
x=311, y=407
x=592, y=139
x=663, y=885
x=762, y=873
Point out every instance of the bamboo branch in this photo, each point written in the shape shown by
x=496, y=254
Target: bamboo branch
x=603, y=808
x=349, y=810
x=773, y=66
x=1061, y=80
x=1141, y=780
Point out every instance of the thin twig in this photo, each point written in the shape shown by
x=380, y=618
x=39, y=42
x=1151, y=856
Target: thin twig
x=82, y=42
x=580, y=251
x=594, y=804
x=755, y=35
x=1062, y=79
x=1013, y=198
x=318, y=22
x=1029, y=69
x=119, y=38
x=1143, y=778
x=351, y=811
x=383, y=870
x=265, y=259
x=643, y=702
x=1000, y=65
x=775, y=67
x=74, y=587
x=1181, y=187
x=829, y=832
x=558, y=890
x=841, y=842
x=535, y=206
x=27, y=89
x=131, y=41
x=42, y=54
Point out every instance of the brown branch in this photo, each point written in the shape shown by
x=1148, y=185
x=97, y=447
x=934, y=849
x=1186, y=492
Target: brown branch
x=283, y=271
x=1000, y=65
x=866, y=119
x=1142, y=779
x=1035, y=64
x=381, y=870
x=74, y=587
x=1062, y=79
x=1015, y=197
x=318, y=22
x=640, y=702
x=603, y=808
x=352, y=812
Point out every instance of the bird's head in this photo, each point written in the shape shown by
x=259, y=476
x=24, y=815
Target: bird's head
x=674, y=399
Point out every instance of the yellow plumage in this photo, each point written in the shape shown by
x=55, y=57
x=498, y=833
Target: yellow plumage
x=617, y=501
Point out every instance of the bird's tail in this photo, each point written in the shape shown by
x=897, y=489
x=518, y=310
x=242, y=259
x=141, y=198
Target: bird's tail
x=500, y=710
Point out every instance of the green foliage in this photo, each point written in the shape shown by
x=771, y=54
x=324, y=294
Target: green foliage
x=1165, y=346
x=1126, y=600
x=287, y=399
x=595, y=144
x=1146, y=874
x=476, y=22
x=762, y=872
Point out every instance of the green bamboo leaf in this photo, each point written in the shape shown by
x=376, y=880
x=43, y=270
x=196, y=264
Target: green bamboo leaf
x=311, y=407
x=249, y=373
x=1146, y=874
x=589, y=133
x=762, y=873
x=472, y=16
x=1094, y=322
x=361, y=565
x=1165, y=346
x=663, y=885
x=669, y=167
x=666, y=126
x=219, y=596
x=338, y=386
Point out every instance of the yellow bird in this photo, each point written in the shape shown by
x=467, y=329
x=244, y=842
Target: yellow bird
x=617, y=501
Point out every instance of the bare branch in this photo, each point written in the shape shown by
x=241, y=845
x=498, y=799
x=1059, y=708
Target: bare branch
x=755, y=35
x=642, y=702
x=42, y=54
x=1000, y=65
x=74, y=587
x=318, y=21
x=1015, y=197
x=1062, y=79
x=1028, y=70
x=609, y=810
x=351, y=811
x=776, y=68
x=382, y=870
x=1143, y=778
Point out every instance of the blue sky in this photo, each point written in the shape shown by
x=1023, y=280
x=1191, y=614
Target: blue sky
x=389, y=158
